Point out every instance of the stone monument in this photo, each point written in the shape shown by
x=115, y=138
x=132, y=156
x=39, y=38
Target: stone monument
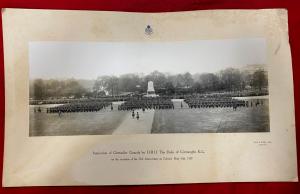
x=150, y=90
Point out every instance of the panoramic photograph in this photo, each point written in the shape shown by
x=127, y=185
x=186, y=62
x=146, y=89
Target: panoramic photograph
x=122, y=88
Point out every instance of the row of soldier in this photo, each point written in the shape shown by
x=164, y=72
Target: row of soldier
x=155, y=103
x=222, y=102
x=146, y=103
x=91, y=106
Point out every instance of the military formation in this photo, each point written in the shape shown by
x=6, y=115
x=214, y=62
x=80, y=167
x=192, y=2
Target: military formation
x=88, y=106
x=151, y=103
x=221, y=102
x=146, y=103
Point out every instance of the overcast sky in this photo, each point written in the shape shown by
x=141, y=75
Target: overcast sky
x=88, y=60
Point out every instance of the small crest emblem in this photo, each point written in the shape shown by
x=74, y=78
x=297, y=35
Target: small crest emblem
x=148, y=30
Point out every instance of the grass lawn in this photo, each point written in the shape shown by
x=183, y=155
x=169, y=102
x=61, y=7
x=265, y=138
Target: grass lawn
x=83, y=123
x=205, y=120
x=185, y=120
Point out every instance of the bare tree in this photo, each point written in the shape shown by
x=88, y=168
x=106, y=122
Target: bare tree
x=188, y=80
x=231, y=79
x=259, y=79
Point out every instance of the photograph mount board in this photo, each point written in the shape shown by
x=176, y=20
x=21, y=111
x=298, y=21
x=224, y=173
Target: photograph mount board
x=71, y=119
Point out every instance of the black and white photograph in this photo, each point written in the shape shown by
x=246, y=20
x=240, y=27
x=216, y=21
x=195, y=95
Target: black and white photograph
x=133, y=98
x=117, y=88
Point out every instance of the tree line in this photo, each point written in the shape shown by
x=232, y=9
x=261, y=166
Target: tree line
x=43, y=89
x=229, y=79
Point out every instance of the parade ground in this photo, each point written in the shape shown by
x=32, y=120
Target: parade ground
x=159, y=121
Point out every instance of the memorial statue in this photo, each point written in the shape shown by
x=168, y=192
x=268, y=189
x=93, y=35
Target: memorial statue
x=150, y=90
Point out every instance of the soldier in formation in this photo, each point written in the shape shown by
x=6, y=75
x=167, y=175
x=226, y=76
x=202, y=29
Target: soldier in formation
x=155, y=103
x=220, y=102
x=88, y=106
